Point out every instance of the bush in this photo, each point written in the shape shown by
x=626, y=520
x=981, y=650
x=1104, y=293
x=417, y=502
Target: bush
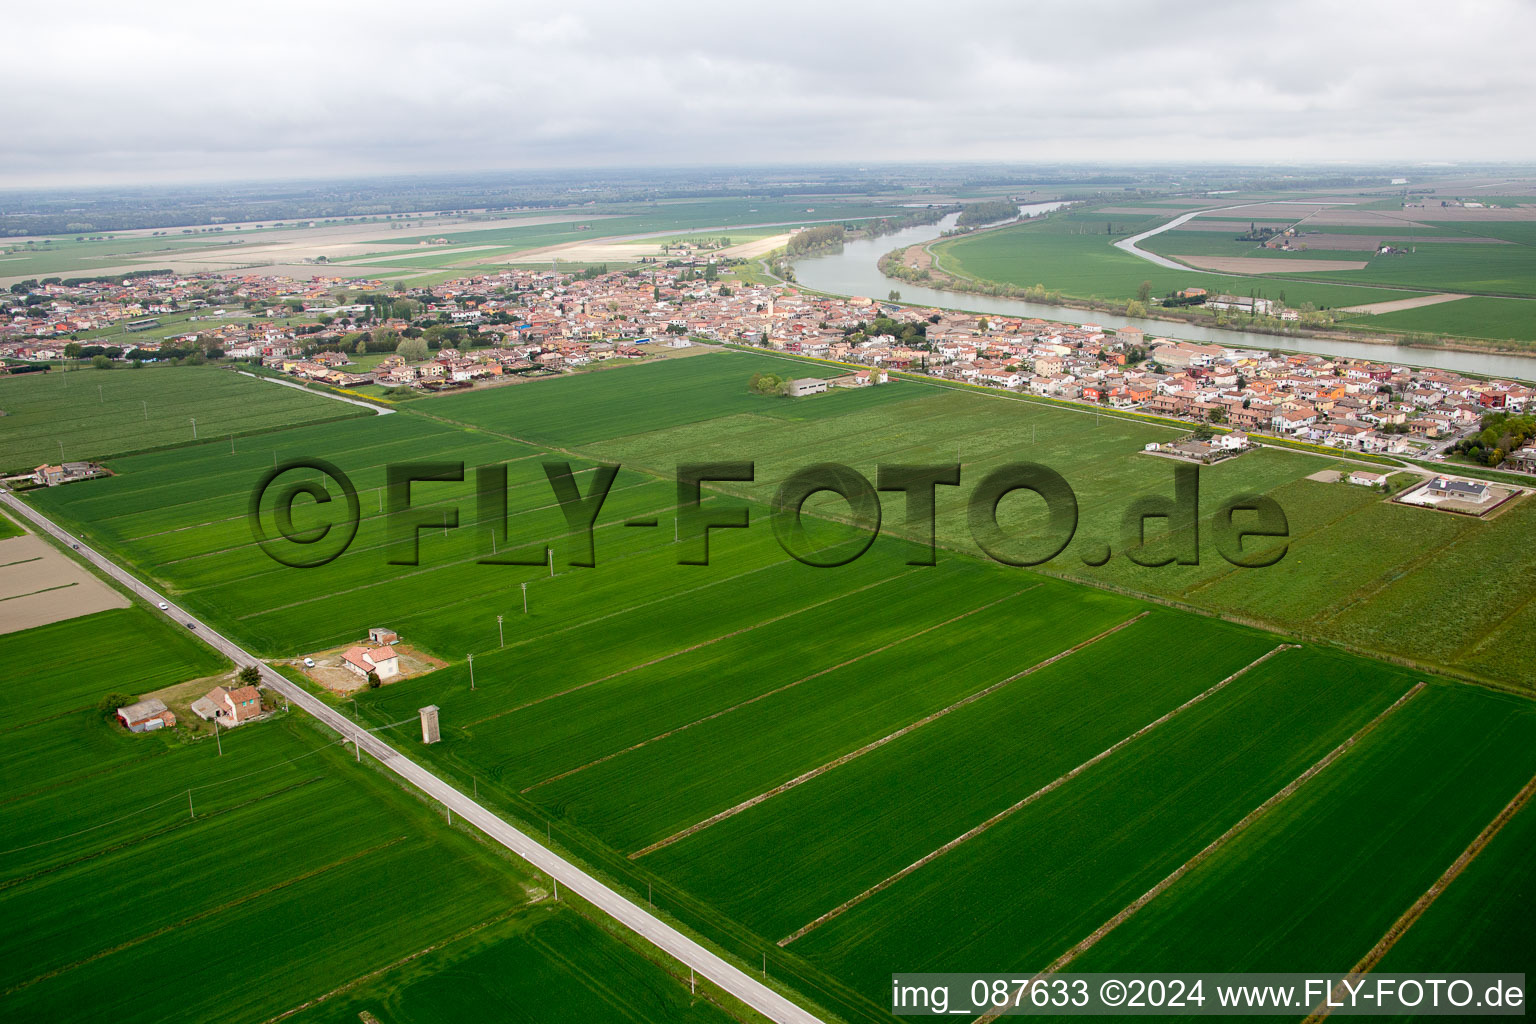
x=108, y=705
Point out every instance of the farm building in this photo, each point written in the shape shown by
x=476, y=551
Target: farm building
x=362, y=660
x=1365, y=479
x=806, y=386
x=146, y=716
x=382, y=636
x=229, y=707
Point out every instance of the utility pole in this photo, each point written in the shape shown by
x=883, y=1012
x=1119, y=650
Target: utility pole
x=190, y=813
x=61, y=451
x=100, y=395
x=551, y=553
x=525, y=598
x=216, y=738
x=493, y=545
x=231, y=444
x=471, y=658
x=500, y=633
x=194, y=426
x=146, y=410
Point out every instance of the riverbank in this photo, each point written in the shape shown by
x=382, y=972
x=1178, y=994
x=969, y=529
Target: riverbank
x=917, y=264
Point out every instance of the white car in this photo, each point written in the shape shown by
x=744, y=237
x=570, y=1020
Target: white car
x=164, y=606
x=309, y=662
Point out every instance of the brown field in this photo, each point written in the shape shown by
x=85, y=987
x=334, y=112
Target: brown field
x=38, y=585
x=1262, y=265
x=1397, y=304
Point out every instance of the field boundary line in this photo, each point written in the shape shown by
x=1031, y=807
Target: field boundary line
x=1416, y=910
x=1008, y=812
x=378, y=971
x=203, y=915
x=1284, y=793
x=799, y=780
x=686, y=650
x=780, y=689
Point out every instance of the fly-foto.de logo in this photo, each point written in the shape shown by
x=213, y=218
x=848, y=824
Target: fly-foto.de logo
x=1244, y=527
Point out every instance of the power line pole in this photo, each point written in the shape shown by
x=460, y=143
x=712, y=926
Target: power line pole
x=471, y=658
x=500, y=633
x=216, y=738
x=525, y=598
x=194, y=426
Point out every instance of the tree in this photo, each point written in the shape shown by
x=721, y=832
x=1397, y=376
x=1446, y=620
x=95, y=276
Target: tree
x=373, y=681
x=1135, y=308
x=1144, y=292
x=101, y=363
x=250, y=675
x=1204, y=433
x=412, y=350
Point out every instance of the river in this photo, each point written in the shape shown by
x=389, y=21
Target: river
x=855, y=271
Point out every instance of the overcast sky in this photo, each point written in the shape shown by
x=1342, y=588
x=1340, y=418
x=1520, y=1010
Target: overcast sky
x=139, y=92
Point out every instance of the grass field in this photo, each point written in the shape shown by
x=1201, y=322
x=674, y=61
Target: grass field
x=99, y=414
x=856, y=762
x=1352, y=559
x=107, y=875
x=1072, y=253
x=1089, y=266
x=1474, y=317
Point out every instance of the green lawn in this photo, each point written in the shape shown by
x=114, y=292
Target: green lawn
x=97, y=414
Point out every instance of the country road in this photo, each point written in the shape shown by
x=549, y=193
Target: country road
x=655, y=931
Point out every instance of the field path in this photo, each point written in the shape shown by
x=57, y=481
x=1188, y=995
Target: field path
x=636, y=918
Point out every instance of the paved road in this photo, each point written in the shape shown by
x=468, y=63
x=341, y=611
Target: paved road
x=322, y=394
x=1129, y=244
x=660, y=934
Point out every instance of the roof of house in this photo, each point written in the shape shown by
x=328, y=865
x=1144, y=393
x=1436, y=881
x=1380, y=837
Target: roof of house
x=379, y=654
x=139, y=711
x=244, y=694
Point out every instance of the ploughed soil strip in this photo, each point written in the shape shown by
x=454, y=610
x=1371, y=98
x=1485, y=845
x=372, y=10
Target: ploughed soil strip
x=882, y=741
x=685, y=650
x=842, y=908
x=1413, y=913
x=1216, y=844
x=777, y=690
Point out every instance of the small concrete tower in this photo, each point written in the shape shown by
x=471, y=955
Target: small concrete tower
x=429, y=733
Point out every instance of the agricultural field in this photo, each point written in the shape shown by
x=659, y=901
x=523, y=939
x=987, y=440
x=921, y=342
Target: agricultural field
x=838, y=771
x=98, y=414
x=1073, y=253
x=132, y=856
x=1474, y=317
x=1089, y=266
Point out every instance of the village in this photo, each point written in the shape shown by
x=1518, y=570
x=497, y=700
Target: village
x=520, y=323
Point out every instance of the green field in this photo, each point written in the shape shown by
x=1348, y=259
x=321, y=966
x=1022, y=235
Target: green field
x=757, y=743
x=96, y=414
x=1474, y=317
x=1088, y=266
x=1072, y=252
x=106, y=875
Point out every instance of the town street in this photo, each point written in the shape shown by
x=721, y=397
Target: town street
x=663, y=936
